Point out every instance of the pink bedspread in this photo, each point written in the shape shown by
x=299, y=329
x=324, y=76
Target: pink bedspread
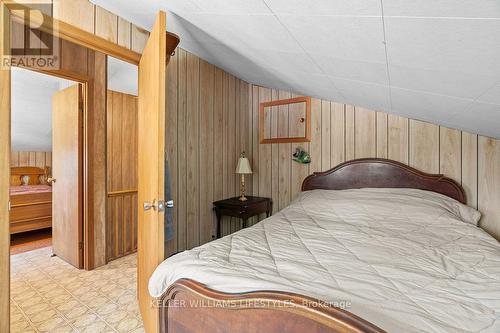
x=27, y=189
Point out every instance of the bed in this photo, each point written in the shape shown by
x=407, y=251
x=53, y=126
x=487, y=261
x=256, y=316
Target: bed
x=369, y=246
x=31, y=202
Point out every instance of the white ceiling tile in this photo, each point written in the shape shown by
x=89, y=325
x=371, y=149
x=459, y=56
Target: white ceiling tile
x=142, y=13
x=425, y=106
x=285, y=61
x=233, y=6
x=326, y=7
x=443, y=8
x=235, y=63
x=463, y=85
x=441, y=54
x=353, y=38
x=315, y=85
x=491, y=96
x=481, y=118
x=365, y=94
x=239, y=31
x=353, y=70
x=466, y=46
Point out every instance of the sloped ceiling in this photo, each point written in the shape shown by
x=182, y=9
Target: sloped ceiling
x=32, y=102
x=436, y=61
x=122, y=76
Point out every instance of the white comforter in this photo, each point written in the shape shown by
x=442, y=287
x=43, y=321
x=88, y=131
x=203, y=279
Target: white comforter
x=406, y=260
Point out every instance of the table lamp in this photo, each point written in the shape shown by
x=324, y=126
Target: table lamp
x=243, y=169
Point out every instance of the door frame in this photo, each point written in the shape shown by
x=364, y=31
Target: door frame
x=77, y=36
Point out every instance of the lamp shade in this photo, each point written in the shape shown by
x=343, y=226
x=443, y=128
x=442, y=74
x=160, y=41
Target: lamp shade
x=243, y=166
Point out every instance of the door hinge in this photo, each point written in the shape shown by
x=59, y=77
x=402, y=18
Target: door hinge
x=80, y=245
x=9, y=206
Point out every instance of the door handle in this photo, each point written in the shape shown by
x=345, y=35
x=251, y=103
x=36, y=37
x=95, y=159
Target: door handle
x=51, y=180
x=148, y=205
x=160, y=205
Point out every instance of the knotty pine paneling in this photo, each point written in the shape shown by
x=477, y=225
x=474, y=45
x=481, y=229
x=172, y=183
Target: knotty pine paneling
x=121, y=160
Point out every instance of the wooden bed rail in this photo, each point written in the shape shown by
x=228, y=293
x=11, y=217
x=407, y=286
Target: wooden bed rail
x=189, y=306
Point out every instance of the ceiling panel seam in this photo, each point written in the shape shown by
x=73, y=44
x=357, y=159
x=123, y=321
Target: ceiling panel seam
x=304, y=50
x=386, y=55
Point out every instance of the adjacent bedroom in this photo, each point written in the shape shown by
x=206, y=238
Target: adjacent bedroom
x=250, y=166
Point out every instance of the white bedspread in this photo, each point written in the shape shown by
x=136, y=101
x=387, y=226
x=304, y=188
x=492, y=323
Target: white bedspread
x=406, y=260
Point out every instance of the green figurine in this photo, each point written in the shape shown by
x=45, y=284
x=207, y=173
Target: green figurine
x=301, y=156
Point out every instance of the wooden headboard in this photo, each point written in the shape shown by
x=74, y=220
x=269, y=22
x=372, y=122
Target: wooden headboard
x=379, y=173
x=33, y=172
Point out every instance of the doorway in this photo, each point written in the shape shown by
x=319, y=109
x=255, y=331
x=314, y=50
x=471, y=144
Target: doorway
x=46, y=147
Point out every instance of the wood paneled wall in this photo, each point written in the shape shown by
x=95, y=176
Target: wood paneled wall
x=204, y=102
x=342, y=132
x=121, y=219
x=82, y=64
x=39, y=159
x=207, y=129
x=212, y=116
x=89, y=17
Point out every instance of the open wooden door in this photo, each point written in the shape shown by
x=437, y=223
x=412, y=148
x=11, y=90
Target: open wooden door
x=4, y=198
x=67, y=201
x=151, y=167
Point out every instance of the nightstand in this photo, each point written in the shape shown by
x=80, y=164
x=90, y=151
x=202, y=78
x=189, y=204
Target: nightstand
x=241, y=209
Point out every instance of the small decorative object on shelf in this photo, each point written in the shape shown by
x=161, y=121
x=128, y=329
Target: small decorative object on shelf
x=243, y=169
x=25, y=180
x=301, y=156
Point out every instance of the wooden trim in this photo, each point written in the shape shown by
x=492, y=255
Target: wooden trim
x=30, y=204
x=288, y=101
x=84, y=38
x=35, y=218
x=266, y=311
x=76, y=35
x=119, y=193
x=4, y=197
x=382, y=173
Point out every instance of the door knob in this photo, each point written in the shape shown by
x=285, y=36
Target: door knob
x=148, y=205
x=51, y=180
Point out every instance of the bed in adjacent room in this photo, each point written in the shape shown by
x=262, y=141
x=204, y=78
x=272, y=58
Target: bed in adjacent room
x=369, y=246
x=30, y=199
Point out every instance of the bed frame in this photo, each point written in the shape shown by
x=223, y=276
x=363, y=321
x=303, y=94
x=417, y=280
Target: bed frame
x=189, y=306
x=29, y=211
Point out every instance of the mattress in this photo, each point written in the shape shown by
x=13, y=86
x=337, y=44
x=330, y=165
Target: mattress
x=30, y=189
x=406, y=260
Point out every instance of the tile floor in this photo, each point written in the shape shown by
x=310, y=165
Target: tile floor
x=49, y=295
